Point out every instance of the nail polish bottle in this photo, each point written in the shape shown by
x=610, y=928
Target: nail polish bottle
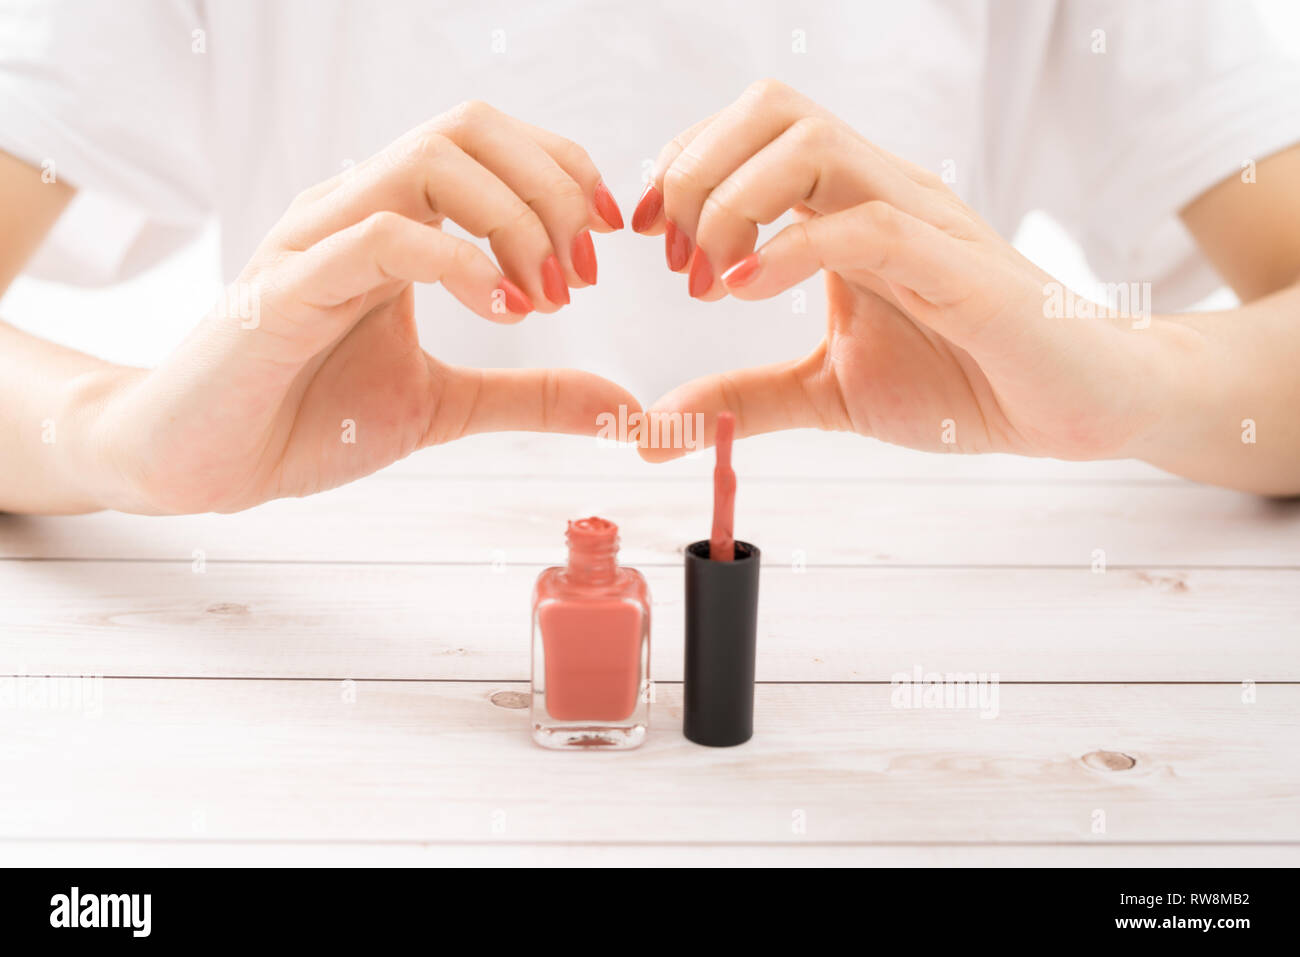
x=591, y=646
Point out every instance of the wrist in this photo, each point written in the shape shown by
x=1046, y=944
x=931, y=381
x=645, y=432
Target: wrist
x=1176, y=381
x=90, y=461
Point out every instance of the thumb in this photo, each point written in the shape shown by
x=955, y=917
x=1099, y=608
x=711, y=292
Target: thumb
x=786, y=395
x=524, y=400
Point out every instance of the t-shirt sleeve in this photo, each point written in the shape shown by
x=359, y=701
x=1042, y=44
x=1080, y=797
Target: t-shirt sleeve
x=1143, y=107
x=111, y=99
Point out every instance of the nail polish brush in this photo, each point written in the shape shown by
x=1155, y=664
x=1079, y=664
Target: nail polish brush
x=722, y=544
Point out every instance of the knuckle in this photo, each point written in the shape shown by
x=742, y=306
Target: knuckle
x=559, y=187
x=427, y=147
x=668, y=154
x=550, y=398
x=683, y=176
x=304, y=197
x=521, y=218
x=720, y=205
x=570, y=154
x=463, y=256
x=733, y=397
x=678, y=144
x=800, y=237
x=767, y=90
x=815, y=131
x=879, y=218
x=930, y=178
x=471, y=113
x=379, y=226
x=878, y=215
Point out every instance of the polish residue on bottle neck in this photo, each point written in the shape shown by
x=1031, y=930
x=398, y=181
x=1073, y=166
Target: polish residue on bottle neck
x=593, y=551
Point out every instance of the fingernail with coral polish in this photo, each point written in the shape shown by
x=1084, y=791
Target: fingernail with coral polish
x=606, y=206
x=701, y=274
x=677, y=247
x=743, y=272
x=647, y=209
x=584, y=257
x=516, y=300
x=553, y=284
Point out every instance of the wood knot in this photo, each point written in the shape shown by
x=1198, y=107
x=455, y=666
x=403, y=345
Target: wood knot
x=1176, y=583
x=511, y=699
x=1108, y=760
x=227, y=608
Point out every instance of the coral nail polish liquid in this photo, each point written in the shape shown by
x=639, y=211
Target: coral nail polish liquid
x=591, y=646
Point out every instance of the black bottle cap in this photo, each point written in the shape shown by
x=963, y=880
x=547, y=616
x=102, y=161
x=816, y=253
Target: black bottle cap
x=721, y=630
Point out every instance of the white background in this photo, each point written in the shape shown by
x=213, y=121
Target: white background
x=140, y=321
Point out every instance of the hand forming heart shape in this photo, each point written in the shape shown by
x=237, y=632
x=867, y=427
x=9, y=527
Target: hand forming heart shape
x=937, y=334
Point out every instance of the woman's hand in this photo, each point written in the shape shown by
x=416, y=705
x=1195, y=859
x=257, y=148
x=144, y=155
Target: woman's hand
x=939, y=334
x=309, y=373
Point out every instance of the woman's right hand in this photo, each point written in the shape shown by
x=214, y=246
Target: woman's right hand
x=309, y=374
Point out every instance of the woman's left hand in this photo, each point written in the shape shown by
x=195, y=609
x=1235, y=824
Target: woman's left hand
x=939, y=334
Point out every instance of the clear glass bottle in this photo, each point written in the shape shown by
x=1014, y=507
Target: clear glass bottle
x=591, y=646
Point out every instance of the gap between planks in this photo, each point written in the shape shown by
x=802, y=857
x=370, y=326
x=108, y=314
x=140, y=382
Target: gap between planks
x=819, y=624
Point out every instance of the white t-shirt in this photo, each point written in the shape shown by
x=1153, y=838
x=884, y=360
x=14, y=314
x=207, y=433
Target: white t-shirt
x=1109, y=115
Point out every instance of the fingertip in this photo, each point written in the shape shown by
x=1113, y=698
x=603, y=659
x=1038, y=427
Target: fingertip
x=598, y=225
x=516, y=301
x=762, y=275
x=503, y=318
x=553, y=281
x=677, y=247
x=742, y=273
x=672, y=426
x=583, y=255
x=597, y=403
x=506, y=305
x=657, y=456
x=481, y=287
x=649, y=211
x=700, y=280
x=607, y=207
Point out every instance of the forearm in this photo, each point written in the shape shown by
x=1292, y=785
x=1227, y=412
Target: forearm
x=1232, y=413
x=54, y=461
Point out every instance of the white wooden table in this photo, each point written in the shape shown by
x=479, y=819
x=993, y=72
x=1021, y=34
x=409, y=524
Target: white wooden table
x=343, y=679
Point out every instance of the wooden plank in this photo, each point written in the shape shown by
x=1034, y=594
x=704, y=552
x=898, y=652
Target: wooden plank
x=330, y=854
x=830, y=764
x=827, y=523
x=818, y=624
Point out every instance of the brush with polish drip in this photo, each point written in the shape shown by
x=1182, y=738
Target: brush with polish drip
x=721, y=617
